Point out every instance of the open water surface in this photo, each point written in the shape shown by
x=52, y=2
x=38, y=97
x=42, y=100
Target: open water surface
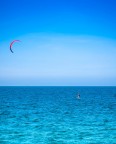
x=54, y=115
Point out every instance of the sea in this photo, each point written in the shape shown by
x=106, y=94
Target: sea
x=55, y=115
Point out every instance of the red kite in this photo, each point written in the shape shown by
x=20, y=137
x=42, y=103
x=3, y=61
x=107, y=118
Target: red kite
x=12, y=44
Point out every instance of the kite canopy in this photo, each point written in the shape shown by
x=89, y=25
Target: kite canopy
x=12, y=44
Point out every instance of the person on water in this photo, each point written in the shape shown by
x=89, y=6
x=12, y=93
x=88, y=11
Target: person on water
x=78, y=96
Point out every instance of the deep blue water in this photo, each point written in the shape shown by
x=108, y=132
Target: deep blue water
x=54, y=115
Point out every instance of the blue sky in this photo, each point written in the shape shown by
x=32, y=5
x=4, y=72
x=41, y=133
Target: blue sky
x=63, y=42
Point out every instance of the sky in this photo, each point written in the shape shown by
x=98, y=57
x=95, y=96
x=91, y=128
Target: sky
x=63, y=43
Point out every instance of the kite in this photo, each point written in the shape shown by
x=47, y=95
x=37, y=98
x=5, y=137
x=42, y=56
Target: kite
x=12, y=44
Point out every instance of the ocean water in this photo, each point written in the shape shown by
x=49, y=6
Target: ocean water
x=54, y=115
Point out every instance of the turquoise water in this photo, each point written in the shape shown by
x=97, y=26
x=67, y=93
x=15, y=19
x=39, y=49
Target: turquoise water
x=54, y=115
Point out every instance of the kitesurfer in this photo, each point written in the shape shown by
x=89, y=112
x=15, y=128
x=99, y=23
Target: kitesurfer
x=78, y=96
